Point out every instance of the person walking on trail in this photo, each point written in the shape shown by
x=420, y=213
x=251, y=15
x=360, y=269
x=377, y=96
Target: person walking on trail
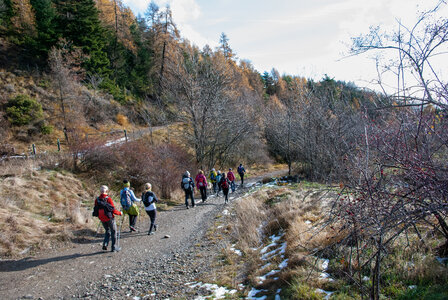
x=241, y=172
x=218, y=180
x=187, y=185
x=149, y=200
x=213, y=175
x=224, y=183
x=231, y=178
x=128, y=202
x=201, y=183
x=105, y=211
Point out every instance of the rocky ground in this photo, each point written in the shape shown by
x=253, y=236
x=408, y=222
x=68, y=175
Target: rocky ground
x=148, y=267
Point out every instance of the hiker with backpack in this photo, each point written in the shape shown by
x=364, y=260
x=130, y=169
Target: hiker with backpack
x=224, y=183
x=231, y=178
x=201, y=183
x=149, y=200
x=187, y=185
x=128, y=202
x=105, y=210
x=213, y=175
x=241, y=172
x=218, y=180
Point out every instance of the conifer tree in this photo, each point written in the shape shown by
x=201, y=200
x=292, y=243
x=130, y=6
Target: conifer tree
x=45, y=16
x=78, y=22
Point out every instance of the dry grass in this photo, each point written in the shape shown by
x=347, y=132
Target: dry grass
x=39, y=208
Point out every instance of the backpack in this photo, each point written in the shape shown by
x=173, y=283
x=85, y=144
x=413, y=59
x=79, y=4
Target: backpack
x=240, y=169
x=225, y=183
x=186, y=183
x=201, y=182
x=212, y=176
x=103, y=204
x=147, y=199
x=125, y=200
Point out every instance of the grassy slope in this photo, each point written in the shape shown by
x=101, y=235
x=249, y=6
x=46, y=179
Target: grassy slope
x=41, y=209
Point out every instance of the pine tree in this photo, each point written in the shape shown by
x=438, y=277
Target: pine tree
x=78, y=22
x=47, y=36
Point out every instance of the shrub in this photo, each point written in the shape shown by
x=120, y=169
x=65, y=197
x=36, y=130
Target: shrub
x=23, y=109
x=122, y=120
x=46, y=129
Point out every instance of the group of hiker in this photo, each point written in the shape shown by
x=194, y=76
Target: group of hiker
x=219, y=182
x=105, y=209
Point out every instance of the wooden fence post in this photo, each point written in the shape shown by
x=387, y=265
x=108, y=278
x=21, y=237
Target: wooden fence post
x=34, y=149
x=59, y=145
x=126, y=135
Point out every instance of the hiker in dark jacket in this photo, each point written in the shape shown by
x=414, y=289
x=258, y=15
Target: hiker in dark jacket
x=149, y=200
x=224, y=183
x=218, y=180
x=106, y=216
x=201, y=184
x=187, y=185
x=241, y=172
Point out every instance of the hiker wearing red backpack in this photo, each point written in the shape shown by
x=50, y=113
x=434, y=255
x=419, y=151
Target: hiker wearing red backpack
x=231, y=178
x=224, y=183
x=105, y=210
x=201, y=184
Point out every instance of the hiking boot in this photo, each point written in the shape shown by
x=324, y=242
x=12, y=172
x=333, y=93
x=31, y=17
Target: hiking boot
x=115, y=249
x=104, y=248
x=150, y=233
x=187, y=207
x=155, y=227
x=132, y=229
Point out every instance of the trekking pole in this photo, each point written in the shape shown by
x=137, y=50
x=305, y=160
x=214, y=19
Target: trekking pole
x=97, y=228
x=119, y=230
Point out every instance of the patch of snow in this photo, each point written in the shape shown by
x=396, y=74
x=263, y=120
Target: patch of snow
x=269, y=254
x=225, y=212
x=218, y=292
x=283, y=264
x=265, y=266
x=412, y=287
x=325, y=264
x=254, y=292
x=267, y=247
x=272, y=272
x=107, y=276
x=327, y=294
x=136, y=298
x=237, y=251
x=277, y=294
x=220, y=226
x=307, y=222
x=283, y=248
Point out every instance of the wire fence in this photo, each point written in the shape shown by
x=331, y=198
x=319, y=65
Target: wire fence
x=107, y=139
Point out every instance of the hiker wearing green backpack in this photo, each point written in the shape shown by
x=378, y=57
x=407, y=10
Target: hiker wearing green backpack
x=149, y=200
x=213, y=175
x=128, y=202
x=105, y=210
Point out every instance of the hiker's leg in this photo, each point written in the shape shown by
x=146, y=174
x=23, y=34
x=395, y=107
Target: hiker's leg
x=203, y=193
x=106, y=234
x=148, y=212
x=186, y=198
x=214, y=187
x=192, y=198
x=113, y=231
x=152, y=216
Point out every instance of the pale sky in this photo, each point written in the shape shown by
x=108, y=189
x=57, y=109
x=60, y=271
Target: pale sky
x=307, y=38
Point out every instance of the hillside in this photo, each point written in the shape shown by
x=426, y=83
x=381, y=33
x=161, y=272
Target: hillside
x=92, y=95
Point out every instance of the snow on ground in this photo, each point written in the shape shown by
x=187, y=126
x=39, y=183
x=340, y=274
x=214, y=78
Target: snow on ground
x=217, y=292
x=237, y=251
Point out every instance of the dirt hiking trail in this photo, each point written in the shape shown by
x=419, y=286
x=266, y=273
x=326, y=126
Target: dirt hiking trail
x=153, y=265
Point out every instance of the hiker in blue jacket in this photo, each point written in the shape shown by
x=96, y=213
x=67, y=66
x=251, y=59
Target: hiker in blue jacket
x=187, y=184
x=127, y=200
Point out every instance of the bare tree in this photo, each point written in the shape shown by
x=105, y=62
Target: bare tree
x=398, y=171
